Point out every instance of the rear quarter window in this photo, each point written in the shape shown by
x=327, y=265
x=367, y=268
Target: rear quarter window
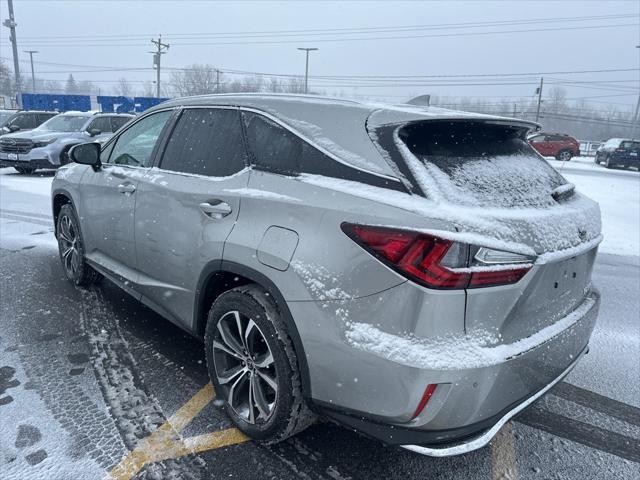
x=275, y=149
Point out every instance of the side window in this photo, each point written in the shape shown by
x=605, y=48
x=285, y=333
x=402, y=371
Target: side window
x=118, y=122
x=273, y=147
x=33, y=120
x=538, y=139
x=100, y=123
x=135, y=145
x=24, y=121
x=206, y=142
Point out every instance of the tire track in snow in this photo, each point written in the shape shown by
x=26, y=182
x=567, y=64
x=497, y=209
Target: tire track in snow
x=135, y=412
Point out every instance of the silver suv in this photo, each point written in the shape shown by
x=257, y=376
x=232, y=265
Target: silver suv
x=417, y=274
x=48, y=145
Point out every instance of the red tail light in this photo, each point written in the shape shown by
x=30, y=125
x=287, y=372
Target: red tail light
x=430, y=261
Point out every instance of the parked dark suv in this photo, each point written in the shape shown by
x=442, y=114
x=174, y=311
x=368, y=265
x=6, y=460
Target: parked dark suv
x=558, y=145
x=619, y=151
x=14, y=121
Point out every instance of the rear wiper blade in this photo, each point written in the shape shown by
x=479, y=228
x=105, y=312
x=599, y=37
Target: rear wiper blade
x=563, y=191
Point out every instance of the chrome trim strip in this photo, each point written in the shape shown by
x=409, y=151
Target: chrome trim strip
x=485, y=438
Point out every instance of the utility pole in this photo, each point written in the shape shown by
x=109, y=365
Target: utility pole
x=306, y=68
x=33, y=75
x=156, y=59
x=636, y=115
x=217, y=81
x=11, y=24
x=539, y=92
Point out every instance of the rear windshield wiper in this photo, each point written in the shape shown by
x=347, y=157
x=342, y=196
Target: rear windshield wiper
x=563, y=191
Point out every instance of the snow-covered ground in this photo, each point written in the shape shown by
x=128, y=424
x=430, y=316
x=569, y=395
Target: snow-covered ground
x=618, y=193
x=33, y=440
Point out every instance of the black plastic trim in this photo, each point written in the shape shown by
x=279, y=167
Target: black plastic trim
x=221, y=266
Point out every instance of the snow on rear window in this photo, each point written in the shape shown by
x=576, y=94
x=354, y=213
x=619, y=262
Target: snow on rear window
x=477, y=164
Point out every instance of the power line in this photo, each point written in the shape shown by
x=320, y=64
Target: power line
x=344, y=31
x=332, y=40
x=337, y=77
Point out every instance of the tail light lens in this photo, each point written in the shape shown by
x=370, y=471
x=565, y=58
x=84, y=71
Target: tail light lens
x=436, y=262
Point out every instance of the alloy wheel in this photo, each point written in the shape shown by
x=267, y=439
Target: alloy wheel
x=69, y=244
x=245, y=368
x=565, y=156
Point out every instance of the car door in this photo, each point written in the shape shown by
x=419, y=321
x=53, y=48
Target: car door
x=109, y=196
x=187, y=207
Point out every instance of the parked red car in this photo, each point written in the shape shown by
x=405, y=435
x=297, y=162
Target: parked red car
x=563, y=147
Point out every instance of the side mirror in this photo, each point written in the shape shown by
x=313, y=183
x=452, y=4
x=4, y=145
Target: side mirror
x=13, y=128
x=86, y=154
x=94, y=131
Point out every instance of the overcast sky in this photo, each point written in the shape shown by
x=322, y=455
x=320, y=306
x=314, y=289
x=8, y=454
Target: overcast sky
x=563, y=41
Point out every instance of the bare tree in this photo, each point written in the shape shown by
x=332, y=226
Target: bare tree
x=123, y=88
x=6, y=80
x=196, y=79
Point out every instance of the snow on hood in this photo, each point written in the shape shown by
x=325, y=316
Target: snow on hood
x=38, y=135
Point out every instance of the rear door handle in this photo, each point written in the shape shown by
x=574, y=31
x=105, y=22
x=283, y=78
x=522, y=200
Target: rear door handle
x=126, y=188
x=216, y=209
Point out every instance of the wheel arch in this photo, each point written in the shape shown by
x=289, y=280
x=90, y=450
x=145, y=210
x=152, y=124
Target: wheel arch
x=214, y=281
x=59, y=198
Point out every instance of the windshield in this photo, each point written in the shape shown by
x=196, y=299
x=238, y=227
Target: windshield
x=477, y=164
x=64, y=123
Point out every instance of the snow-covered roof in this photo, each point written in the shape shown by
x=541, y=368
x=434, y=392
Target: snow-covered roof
x=337, y=125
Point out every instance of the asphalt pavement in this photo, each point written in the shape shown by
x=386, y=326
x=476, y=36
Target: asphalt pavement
x=92, y=382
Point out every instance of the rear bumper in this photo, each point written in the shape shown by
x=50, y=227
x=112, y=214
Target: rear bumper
x=470, y=404
x=482, y=439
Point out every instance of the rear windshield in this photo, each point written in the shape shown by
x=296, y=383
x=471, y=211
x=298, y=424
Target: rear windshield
x=476, y=163
x=629, y=145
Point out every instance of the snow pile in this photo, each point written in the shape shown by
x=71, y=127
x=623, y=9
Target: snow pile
x=479, y=349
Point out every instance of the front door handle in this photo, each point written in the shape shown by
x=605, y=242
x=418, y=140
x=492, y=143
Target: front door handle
x=127, y=188
x=216, y=209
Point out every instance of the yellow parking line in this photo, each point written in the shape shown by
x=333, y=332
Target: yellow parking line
x=166, y=441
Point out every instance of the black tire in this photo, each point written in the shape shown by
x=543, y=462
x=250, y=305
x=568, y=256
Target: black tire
x=607, y=162
x=71, y=249
x=25, y=170
x=564, y=155
x=288, y=412
x=596, y=159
